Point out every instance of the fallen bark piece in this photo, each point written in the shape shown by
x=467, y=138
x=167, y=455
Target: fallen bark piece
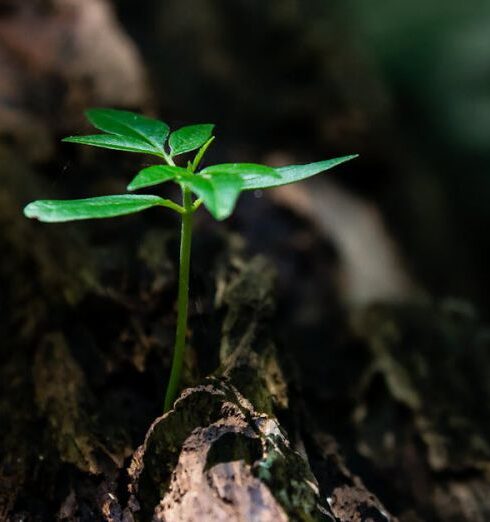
x=214, y=476
x=355, y=504
x=231, y=463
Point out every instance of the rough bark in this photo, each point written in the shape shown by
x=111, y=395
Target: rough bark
x=221, y=454
x=417, y=412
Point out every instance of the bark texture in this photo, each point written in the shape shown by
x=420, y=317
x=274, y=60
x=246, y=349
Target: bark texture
x=221, y=453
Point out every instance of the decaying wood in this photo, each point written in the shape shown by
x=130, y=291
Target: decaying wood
x=221, y=454
x=417, y=410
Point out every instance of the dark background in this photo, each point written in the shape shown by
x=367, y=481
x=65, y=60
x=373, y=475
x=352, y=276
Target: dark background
x=383, y=288
x=406, y=85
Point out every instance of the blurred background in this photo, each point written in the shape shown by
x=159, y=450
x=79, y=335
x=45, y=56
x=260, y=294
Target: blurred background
x=406, y=85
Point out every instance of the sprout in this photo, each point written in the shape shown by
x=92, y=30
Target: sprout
x=217, y=187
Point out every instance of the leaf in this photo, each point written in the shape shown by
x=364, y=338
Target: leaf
x=200, y=154
x=293, y=173
x=218, y=192
x=57, y=211
x=112, y=141
x=130, y=124
x=248, y=172
x=189, y=138
x=155, y=175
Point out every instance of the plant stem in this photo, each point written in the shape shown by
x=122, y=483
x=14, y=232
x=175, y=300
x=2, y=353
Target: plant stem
x=182, y=300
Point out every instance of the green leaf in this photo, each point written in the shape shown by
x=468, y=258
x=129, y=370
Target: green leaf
x=112, y=141
x=200, y=154
x=189, y=138
x=129, y=124
x=57, y=211
x=248, y=172
x=155, y=175
x=293, y=173
x=218, y=192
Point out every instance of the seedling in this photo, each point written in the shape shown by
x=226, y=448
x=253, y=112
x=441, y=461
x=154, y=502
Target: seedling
x=217, y=187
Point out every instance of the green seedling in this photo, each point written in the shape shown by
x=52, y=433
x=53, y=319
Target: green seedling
x=217, y=187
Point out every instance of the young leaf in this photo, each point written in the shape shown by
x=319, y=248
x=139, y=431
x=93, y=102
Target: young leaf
x=58, y=211
x=248, y=172
x=124, y=123
x=155, y=175
x=113, y=141
x=218, y=192
x=200, y=154
x=189, y=138
x=293, y=173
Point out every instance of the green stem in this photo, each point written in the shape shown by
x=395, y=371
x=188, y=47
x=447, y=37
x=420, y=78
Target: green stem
x=182, y=301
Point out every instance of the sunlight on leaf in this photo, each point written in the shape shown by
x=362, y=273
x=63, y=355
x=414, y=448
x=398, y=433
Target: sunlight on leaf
x=248, y=172
x=293, y=173
x=115, y=142
x=155, y=175
x=129, y=124
x=189, y=138
x=57, y=211
x=218, y=192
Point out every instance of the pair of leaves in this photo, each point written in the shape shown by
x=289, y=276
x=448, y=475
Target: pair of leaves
x=132, y=132
x=220, y=185
x=219, y=194
x=245, y=173
x=217, y=186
